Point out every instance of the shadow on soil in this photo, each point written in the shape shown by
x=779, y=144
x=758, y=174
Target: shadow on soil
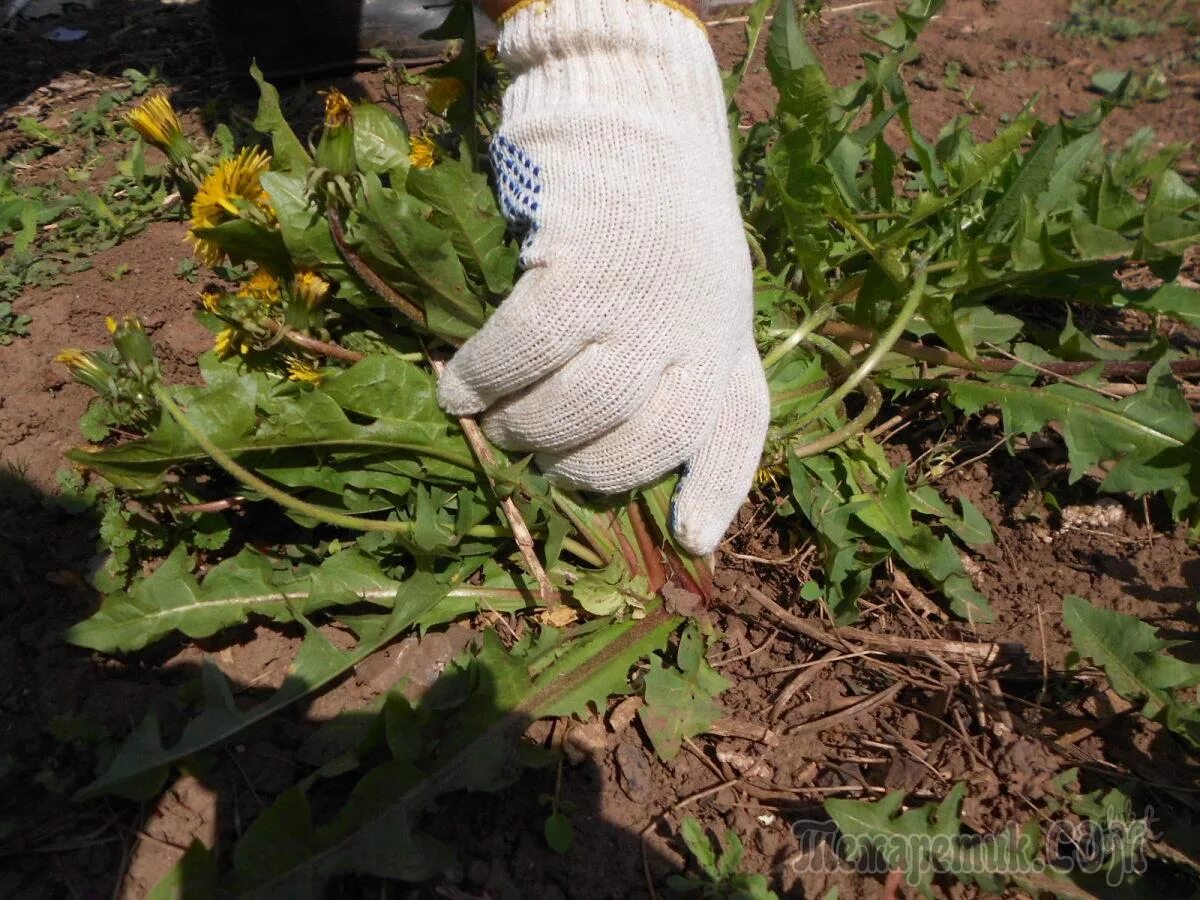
x=65, y=710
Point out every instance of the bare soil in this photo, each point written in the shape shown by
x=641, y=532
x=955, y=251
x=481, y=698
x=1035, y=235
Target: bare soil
x=62, y=709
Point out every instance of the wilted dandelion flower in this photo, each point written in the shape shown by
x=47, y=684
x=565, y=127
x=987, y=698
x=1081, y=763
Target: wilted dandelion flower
x=335, y=153
x=88, y=367
x=80, y=361
x=301, y=371
x=231, y=188
x=230, y=342
x=211, y=300
x=155, y=120
x=443, y=93
x=262, y=286
x=338, y=109
x=422, y=152
x=310, y=288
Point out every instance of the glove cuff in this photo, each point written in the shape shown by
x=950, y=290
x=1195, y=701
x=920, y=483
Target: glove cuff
x=541, y=6
x=539, y=32
x=612, y=57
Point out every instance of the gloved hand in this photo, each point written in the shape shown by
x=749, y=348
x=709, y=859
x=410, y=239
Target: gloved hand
x=626, y=348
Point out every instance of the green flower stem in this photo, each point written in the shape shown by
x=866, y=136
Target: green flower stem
x=847, y=431
x=322, y=513
x=878, y=351
x=797, y=337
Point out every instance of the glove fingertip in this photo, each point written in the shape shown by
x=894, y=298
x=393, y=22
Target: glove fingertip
x=457, y=397
x=697, y=530
x=722, y=473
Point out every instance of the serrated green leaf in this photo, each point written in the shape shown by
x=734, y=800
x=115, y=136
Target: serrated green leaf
x=1175, y=300
x=302, y=223
x=303, y=424
x=1131, y=654
x=317, y=663
x=611, y=678
x=465, y=207
x=916, y=841
x=788, y=51
x=1031, y=180
x=1151, y=434
x=417, y=258
x=677, y=706
x=700, y=846
x=244, y=240
x=476, y=752
x=1171, y=222
x=171, y=599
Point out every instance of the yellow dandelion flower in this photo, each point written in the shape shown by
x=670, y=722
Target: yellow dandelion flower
x=310, y=288
x=443, y=93
x=232, y=185
x=422, y=152
x=262, y=286
x=156, y=121
x=301, y=371
x=211, y=300
x=111, y=324
x=338, y=109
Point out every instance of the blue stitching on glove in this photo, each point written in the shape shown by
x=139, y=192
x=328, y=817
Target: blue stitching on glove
x=519, y=186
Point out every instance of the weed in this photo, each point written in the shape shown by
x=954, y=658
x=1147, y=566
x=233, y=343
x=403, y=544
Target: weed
x=12, y=324
x=720, y=877
x=1109, y=21
x=55, y=229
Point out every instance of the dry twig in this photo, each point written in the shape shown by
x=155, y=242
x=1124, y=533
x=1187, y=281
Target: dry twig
x=863, y=706
x=844, y=638
x=516, y=522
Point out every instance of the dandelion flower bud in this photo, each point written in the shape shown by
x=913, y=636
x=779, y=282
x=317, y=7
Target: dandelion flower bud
x=336, y=150
x=129, y=337
x=89, y=368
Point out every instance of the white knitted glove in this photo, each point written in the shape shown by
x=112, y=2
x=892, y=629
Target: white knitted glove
x=627, y=347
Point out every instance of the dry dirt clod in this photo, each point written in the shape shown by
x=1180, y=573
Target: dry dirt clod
x=1105, y=513
x=416, y=663
x=585, y=741
x=746, y=765
x=623, y=714
x=634, y=775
